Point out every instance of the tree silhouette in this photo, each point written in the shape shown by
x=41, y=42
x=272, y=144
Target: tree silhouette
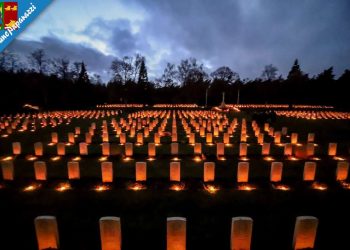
x=270, y=72
x=143, y=78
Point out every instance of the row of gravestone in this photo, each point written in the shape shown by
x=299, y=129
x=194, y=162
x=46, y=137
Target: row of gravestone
x=47, y=234
x=309, y=173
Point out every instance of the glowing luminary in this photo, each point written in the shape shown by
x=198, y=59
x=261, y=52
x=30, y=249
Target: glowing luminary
x=46, y=232
x=88, y=138
x=276, y=171
x=243, y=172
x=175, y=171
x=305, y=232
x=241, y=233
x=226, y=138
x=139, y=138
x=310, y=149
x=122, y=138
x=151, y=149
x=243, y=148
x=288, y=149
x=342, y=170
x=107, y=171
x=332, y=149
x=16, y=148
x=71, y=138
x=176, y=233
x=174, y=148
x=132, y=132
x=77, y=130
x=141, y=171
x=105, y=137
x=209, y=138
x=310, y=137
x=40, y=170
x=243, y=137
x=83, y=148
x=209, y=171
x=309, y=171
x=261, y=138
x=174, y=137
x=192, y=139
x=38, y=149
x=301, y=151
x=198, y=148
x=265, y=149
x=202, y=131
x=156, y=138
x=277, y=137
x=216, y=131
x=294, y=138
x=220, y=149
x=61, y=148
x=54, y=137
x=110, y=233
x=266, y=127
x=128, y=149
x=7, y=170
x=106, y=149
x=73, y=170
x=146, y=131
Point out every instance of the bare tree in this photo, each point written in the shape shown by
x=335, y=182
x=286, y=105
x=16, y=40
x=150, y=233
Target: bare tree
x=137, y=64
x=123, y=67
x=225, y=74
x=269, y=72
x=61, y=66
x=38, y=59
x=169, y=75
x=190, y=70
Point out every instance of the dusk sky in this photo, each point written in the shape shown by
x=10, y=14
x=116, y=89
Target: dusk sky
x=242, y=34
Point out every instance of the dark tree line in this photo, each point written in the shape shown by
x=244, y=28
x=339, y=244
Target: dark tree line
x=61, y=84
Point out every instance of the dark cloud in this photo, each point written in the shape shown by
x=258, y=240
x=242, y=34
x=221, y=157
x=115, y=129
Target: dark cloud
x=56, y=48
x=247, y=35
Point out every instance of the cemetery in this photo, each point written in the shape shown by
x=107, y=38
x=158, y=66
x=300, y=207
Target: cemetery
x=175, y=177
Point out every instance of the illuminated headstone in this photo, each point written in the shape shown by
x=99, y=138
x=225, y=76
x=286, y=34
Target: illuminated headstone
x=156, y=138
x=7, y=170
x=141, y=171
x=61, y=148
x=139, y=138
x=88, y=138
x=151, y=149
x=38, y=149
x=309, y=171
x=265, y=150
x=226, y=139
x=54, y=137
x=288, y=149
x=174, y=148
x=209, y=171
x=332, y=149
x=243, y=148
x=198, y=148
x=71, y=138
x=16, y=148
x=73, y=170
x=209, y=138
x=294, y=138
x=175, y=171
x=220, y=149
x=40, y=170
x=110, y=233
x=277, y=137
x=46, y=232
x=106, y=149
x=128, y=149
x=243, y=172
x=107, y=171
x=276, y=171
x=83, y=148
x=305, y=232
x=122, y=138
x=342, y=171
x=241, y=233
x=176, y=233
x=310, y=149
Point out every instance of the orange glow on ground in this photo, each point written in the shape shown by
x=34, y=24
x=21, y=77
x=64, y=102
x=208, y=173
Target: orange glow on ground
x=212, y=189
x=197, y=159
x=292, y=158
x=63, y=187
x=77, y=158
x=337, y=158
x=246, y=187
x=103, y=158
x=31, y=158
x=269, y=158
x=55, y=158
x=281, y=187
x=101, y=188
x=319, y=186
x=127, y=158
x=244, y=158
x=136, y=186
x=31, y=187
x=345, y=185
x=7, y=158
x=177, y=187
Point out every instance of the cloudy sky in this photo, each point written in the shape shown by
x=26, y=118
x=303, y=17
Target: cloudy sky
x=242, y=34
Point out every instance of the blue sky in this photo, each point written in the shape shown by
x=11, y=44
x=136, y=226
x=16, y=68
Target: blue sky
x=244, y=35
